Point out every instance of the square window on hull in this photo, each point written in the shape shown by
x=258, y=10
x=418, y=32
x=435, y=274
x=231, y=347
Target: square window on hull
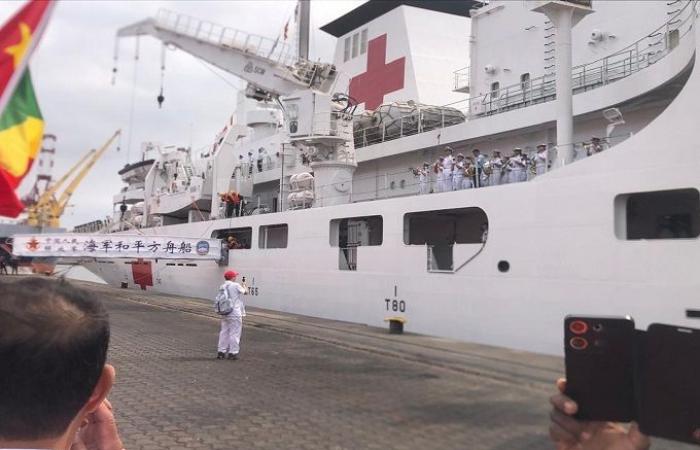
x=350, y=233
x=273, y=236
x=440, y=230
x=672, y=214
x=237, y=238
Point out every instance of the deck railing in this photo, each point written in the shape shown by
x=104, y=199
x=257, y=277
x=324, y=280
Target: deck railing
x=213, y=33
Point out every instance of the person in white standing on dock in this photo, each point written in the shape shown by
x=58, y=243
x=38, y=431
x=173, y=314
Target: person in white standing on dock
x=231, y=315
x=497, y=169
x=541, y=159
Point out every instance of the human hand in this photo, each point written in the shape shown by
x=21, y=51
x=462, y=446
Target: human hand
x=98, y=431
x=569, y=433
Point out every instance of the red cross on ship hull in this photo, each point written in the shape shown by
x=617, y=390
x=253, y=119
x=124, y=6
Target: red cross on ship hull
x=380, y=78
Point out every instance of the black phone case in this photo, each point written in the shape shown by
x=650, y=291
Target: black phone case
x=600, y=376
x=669, y=390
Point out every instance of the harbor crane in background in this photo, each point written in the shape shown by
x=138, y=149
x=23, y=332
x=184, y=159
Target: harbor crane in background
x=50, y=206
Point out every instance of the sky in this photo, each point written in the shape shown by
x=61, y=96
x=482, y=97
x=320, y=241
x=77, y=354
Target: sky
x=72, y=71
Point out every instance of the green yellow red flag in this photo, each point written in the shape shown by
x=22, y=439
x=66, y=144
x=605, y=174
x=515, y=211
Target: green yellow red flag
x=21, y=123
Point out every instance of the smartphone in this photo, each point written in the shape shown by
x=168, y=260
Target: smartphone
x=669, y=383
x=600, y=355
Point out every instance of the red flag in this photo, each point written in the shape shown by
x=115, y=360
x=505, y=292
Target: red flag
x=21, y=124
x=18, y=38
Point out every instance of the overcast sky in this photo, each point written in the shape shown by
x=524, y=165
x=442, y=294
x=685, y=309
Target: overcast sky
x=72, y=69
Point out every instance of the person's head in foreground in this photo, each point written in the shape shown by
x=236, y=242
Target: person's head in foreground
x=53, y=376
x=230, y=275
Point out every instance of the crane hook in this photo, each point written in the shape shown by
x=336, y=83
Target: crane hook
x=160, y=99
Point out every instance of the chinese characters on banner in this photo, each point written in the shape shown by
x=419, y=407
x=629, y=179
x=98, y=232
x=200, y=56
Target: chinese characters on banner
x=115, y=246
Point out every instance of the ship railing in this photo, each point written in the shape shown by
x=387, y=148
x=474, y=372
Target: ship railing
x=637, y=56
x=406, y=182
x=263, y=47
x=250, y=169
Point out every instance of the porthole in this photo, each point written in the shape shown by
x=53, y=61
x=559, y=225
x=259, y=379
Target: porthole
x=503, y=266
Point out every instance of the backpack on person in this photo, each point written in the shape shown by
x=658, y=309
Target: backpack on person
x=223, y=304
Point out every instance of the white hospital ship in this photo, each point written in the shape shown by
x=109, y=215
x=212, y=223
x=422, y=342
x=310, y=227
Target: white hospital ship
x=333, y=225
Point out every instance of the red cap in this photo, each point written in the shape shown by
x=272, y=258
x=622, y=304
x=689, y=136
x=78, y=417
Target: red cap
x=229, y=274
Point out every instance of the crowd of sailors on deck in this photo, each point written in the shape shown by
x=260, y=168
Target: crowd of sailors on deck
x=452, y=172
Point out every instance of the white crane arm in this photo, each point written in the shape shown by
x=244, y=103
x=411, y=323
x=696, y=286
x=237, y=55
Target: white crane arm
x=267, y=64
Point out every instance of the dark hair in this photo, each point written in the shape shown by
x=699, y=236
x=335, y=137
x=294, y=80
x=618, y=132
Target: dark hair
x=53, y=346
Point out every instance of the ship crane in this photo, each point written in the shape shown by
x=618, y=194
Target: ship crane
x=318, y=120
x=270, y=67
x=50, y=206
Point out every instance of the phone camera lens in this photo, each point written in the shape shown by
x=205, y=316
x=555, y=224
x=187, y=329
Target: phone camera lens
x=598, y=327
x=578, y=343
x=578, y=327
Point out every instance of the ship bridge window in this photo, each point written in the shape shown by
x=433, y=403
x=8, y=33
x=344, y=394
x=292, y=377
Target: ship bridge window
x=673, y=214
x=242, y=237
x=440, y=230
x=346, y=53
x=273, y=236
x=349, y=233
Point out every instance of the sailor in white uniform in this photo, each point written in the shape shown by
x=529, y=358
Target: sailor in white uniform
x=232, y=324
x=423, y=175
x=439, y=179
x=458, y=173
x=496, y=169
x=468, y=181
x=447, y=164
x=517, y=167
x=541, y=159
x=479, y=162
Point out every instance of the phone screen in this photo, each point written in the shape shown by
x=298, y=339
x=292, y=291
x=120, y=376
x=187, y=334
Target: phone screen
x=600, y=362
x=670, y=383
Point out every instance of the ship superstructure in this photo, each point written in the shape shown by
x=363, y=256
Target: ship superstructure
x=333, y=163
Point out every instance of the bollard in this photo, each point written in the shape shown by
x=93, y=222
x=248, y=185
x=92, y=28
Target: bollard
x=395, y=324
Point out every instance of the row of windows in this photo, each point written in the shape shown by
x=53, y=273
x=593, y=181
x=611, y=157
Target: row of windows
x=355, y=44
x=672, y=214
x=449, y=226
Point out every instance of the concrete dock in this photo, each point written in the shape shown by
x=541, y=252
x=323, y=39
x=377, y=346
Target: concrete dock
x=305, y=383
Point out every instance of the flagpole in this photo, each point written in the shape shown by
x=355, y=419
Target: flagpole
x=6, y=95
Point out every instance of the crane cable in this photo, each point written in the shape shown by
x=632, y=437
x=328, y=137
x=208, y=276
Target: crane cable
x=133, y=101
x=161, y=97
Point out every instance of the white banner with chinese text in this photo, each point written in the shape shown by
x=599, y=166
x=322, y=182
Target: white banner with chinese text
x=78, y=245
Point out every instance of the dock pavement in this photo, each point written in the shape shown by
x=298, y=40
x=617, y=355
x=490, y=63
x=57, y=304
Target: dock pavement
x=308, y=383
